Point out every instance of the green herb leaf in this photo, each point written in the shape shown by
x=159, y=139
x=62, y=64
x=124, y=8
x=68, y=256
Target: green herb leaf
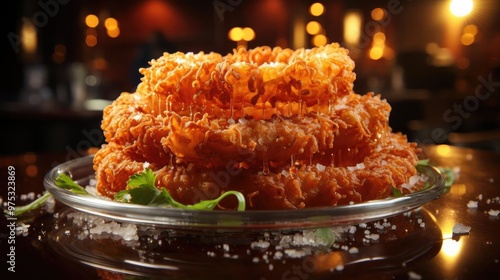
x=35, y=204
x=449, y=176
x=141, y=190
x=396, y=192
x=423, y=162
x=326, y=235
x=62, y=181
x=65, y=182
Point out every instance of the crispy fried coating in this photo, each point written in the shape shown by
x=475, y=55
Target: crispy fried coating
x=283, y=127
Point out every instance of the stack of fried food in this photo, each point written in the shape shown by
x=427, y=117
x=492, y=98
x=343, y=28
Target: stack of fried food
x=283, y=127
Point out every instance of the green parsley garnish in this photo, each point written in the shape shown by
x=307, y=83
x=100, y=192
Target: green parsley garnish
x=35, y=204
x=62, y=181
x=396, y=192
x=65, y=182
x=326, y=235
x=141, y=190
x=449, y=177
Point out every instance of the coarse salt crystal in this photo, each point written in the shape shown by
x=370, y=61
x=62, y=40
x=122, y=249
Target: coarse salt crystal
x=414, y=276
x=260, y=244
x=493, y=212
x=374, y=236
x=461, y=229
x=353, y=250
x=472, y=204
x=293, y=253
x=320, y=167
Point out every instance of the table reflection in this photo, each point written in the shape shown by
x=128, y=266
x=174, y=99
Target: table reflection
x=50, y=242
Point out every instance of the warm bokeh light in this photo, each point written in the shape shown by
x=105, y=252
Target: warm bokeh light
x=113, y=33
x=378, y=48
x=376, y=52
x=235, y=34
x=451, y=248
x=238, y=34
x=248, y=34
x=432, y=48
x=470, y=29
x=91, y=20
x=31, y=170
x=299, y=34
x=443, y=150
x=29, y=41
x=378, y=14
x=99, y=63
x=111, y=23
x=352, y=27
x=319, y=40
x=91, y=40
x=317, y=9
x=379, y=37
x=313, y=27
x=461, y=8
x=59, y=54
x=467, y=39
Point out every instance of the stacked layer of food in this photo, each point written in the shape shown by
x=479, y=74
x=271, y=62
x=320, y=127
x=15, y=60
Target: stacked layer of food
x=283, y=127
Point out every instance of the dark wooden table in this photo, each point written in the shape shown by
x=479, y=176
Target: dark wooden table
x=427, y=250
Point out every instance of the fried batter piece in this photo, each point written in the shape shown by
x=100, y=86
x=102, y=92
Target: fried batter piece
x=283, y=127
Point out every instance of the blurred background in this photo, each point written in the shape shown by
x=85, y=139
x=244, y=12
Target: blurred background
x=437, y=62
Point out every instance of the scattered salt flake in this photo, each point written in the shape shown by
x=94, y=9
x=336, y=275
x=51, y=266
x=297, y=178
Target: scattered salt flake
x=493, y=212
x=472, y=204
x=320, y=167
x=293, y=253
x=353, y=250
x=480, y=197
x=491, y=180
x=278, y=255
x=414, y=276
x=260, y=244
x=339, y=267
x=374, y=236
x=461, y=229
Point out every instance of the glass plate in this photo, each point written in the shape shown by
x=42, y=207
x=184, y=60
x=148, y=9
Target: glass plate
x=156, y=253
x=82, y=172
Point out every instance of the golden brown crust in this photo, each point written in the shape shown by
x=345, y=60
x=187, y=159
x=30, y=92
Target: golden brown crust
x=283, y=127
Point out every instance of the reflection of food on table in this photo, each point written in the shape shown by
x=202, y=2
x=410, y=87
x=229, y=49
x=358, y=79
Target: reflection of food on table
x=283, y=127
x=121, y=249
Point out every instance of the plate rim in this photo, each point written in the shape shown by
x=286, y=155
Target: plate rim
x=241, y=220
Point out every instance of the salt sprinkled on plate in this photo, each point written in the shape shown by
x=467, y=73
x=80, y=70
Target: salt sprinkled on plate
x=461, y=229
x=493, y=213
x=472, y=204
x=353, y=250
x=414, y=276
x=260, y=244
